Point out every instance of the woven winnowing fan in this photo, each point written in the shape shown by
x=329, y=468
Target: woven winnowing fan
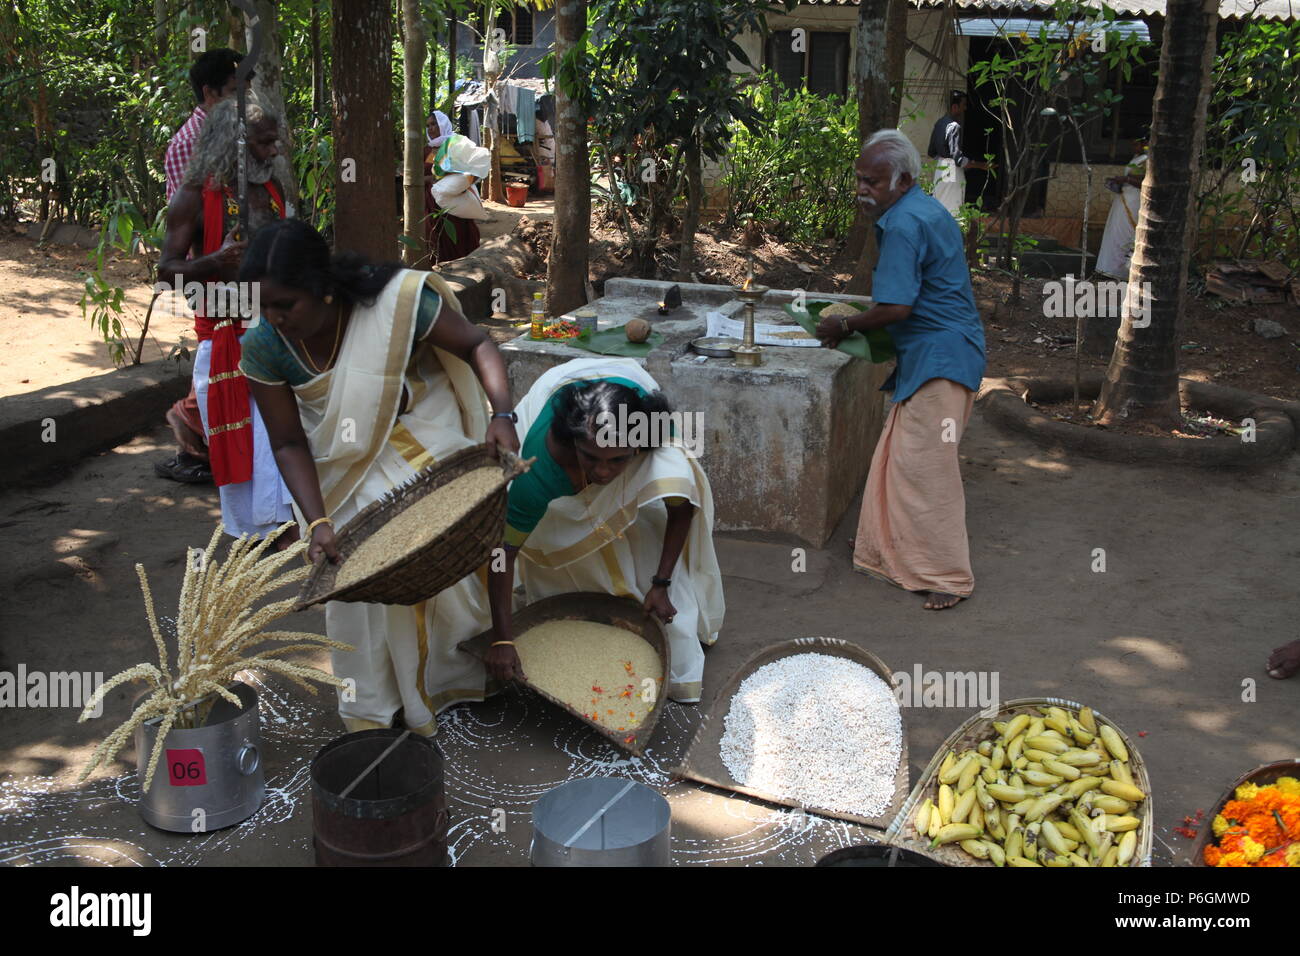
x=434, y=566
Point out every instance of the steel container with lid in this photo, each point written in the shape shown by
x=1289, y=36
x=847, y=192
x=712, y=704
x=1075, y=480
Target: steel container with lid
x=601, y=821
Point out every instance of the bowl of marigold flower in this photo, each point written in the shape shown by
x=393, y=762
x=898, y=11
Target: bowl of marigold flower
x=1257, y=823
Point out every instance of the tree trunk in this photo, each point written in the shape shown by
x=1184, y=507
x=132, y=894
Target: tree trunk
x=871, y=78
x=235, y=24
x=453, y=31
x=268, y=85
x=566, y=267
x=317, y=66
x=1142, y=379
x=365, y=219
x=413, y=154
x=160, y=34
x=496, y=189
x=691, y=221
x=433, y=68
x=896, y=59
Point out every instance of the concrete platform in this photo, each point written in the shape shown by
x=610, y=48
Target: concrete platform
x=786, y=445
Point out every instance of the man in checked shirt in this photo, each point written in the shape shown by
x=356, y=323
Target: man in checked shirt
x=212, y=78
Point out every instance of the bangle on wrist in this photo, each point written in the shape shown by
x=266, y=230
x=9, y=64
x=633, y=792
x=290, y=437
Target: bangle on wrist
x=661, y=582
x=499, y=643
x=319, y=521
x=513, y=416
x=844, y=324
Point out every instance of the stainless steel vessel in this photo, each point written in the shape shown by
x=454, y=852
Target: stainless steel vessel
x=601, y=821
x=209, y=777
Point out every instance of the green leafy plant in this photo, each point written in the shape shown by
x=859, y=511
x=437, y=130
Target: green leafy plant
x=1250, y=186
x=793, y=170
x=103, y=301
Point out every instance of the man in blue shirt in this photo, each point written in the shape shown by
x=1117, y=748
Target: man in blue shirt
x=912, y=531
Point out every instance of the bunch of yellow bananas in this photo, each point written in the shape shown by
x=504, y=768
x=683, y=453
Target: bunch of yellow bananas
x=1048, y=790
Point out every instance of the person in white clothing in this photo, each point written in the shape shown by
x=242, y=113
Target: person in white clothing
x=1121, y=225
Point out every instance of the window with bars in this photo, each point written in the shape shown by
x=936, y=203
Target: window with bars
x=821, y=63
x=516, y=22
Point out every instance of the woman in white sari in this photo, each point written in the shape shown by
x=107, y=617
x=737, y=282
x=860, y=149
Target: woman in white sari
x=602, y=510
x=1121, y=225
x=365, y=375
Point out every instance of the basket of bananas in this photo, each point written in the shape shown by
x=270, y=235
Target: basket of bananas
x=1047, y=782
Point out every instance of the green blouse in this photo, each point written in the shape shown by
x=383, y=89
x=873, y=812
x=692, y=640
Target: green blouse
x=267, y=356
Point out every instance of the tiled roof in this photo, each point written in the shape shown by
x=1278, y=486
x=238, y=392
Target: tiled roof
x=1228, y=9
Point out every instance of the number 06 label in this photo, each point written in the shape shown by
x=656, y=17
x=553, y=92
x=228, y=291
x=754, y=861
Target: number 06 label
x=185, y=768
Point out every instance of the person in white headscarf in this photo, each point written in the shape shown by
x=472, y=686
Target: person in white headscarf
x=438, y=130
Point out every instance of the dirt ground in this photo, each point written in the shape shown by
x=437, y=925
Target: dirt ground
x=44, y=340
x=1169, y=641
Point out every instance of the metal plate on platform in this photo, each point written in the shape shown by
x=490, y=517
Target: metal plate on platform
x=715, y=347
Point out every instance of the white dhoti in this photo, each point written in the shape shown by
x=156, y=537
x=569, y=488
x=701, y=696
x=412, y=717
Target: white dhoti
x=950, y=185
x=263, y=503
x=406, y=657
x=609, y=538
x=1121, y=230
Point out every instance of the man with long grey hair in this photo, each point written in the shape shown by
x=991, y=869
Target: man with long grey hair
x=912, y=530
x=203, y=219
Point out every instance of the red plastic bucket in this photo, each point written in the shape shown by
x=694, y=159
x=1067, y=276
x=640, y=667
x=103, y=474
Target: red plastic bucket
x=516, y=194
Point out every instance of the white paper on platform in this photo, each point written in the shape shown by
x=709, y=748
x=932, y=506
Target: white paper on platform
x=720, y=326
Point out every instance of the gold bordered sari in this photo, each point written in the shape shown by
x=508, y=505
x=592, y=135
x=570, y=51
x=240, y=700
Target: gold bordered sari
x=406, y=657
x=609, y=537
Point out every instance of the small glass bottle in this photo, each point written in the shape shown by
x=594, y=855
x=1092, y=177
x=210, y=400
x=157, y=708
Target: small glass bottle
x=538, y=326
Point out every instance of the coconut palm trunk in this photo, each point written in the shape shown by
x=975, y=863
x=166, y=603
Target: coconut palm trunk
x=566, y=267
x=414, y=248
x=1142, y=380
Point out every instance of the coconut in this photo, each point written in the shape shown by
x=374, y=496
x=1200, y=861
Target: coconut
x=637, y=330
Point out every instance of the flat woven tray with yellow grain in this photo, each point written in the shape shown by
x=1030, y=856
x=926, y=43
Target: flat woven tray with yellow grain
x=418, y=574
x=595, y=608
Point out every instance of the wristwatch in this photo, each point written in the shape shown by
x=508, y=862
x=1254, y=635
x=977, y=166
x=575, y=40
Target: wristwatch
x=661, y=582
x=513, y=416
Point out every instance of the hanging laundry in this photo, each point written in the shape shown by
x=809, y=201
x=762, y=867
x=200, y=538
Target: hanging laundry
x=526, y=116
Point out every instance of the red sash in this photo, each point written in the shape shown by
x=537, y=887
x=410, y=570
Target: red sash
x=230, y=422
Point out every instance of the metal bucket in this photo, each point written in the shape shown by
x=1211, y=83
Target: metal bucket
x=872, y=854
x=601, y=821
x=209, y=777
x=378, y=800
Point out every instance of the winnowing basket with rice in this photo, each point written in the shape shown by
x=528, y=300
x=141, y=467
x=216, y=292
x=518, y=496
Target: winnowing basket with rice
x=423, y=536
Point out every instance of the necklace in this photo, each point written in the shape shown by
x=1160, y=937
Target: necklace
x=338, y=335
x=586, y=481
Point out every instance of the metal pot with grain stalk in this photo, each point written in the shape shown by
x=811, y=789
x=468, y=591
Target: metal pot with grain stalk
x=208, y=776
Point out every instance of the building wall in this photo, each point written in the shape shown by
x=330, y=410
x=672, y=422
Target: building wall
x=925, y=87
x=523, y=64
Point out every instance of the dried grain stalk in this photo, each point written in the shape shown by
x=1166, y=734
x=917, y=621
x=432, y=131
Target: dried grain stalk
x=219, y=632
